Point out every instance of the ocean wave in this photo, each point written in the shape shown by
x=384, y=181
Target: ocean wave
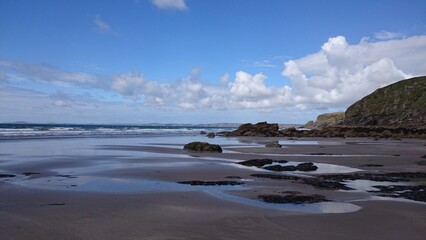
x=15, y=130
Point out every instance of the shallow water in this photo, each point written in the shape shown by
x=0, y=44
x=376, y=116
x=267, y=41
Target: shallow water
x=368, y=185
x=116, y=185
x=322, y=207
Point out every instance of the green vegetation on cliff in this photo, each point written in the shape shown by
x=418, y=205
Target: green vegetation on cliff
x=326, y=120
x=399, y=105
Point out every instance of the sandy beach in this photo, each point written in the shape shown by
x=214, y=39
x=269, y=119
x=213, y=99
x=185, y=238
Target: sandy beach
x=126, y=188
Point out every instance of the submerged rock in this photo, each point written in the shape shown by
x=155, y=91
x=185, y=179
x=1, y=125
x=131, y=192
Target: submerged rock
x=273, y=144
x=210, y=183
x=372, y=165
x=416, y=193
x=257, y=162
x=211, y=135
x=279, y=168
x=294, y=199
x=306, y=167
x=6, y=175
x=202, y=147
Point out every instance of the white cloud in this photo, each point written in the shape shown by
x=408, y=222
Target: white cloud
x=47, y=73
x=171, y=4
x=332, y=78
x=224, y=78
x=101, y=25
x=3, y=76
x=341, y=73
x=386, y=35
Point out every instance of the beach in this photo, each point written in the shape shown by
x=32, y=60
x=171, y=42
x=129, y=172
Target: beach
x=128, y=187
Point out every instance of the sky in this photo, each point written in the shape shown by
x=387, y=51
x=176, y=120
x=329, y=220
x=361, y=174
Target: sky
x=201, y=61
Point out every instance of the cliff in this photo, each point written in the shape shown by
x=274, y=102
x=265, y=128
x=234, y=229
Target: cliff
x=399, y=105
x=326, y=120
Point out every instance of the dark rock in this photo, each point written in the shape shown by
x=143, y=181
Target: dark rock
x=289, y=168
x=273, y=144
x=306, y=167
x=320, y=183
x=256, y=162
x=261, y=129
x=66, y=176
x=421, y=163
x=326, y=120
x=233, y=177
x=293, y=199
x=276, y=168
x=211, y=135
x=210, y=183
x=202, y=147
x=416, y=192
x=321, y=154
x=203, y=132
x=30, y=173
x=53, y=204
x=6, y=175
x=372, y=165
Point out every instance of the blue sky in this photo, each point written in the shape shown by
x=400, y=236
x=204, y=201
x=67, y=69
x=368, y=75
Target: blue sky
x=201, y=61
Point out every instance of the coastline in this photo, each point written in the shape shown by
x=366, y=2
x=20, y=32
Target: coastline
x=56, y=209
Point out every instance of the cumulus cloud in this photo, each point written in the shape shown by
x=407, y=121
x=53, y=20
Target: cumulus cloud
x=170, y=4
x=341, y=73
x=334, y=77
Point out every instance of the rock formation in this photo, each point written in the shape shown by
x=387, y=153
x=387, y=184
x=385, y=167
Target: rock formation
x=399, y=105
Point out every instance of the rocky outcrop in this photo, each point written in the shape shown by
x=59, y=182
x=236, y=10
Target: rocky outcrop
x=293, y=198
x=399, y=105
x=210, y=183
x=273, y=144
x=326, y=120
x=211, y=135
x=202, y=147
x=261, y=129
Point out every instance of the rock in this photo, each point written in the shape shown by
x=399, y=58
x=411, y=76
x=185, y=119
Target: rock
x=30, y=173
x=276, y=168
x=273, y=144
x=261, y=129
x=306, y=167
x=421, y=163
x=372, y=165
x=6, y=175
x=234, y=177
x=326, y=120
x=210, y=183
x=202, y=147
x=294, y=199
x=279, y=168
x=256, y=162
x=333, y=184
x=416, y=192
x=203, y=132
x=211, y=135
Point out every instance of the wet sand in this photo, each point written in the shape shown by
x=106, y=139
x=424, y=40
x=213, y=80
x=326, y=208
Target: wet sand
x=55, y=205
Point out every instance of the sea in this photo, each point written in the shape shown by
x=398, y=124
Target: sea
x=31, y=130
